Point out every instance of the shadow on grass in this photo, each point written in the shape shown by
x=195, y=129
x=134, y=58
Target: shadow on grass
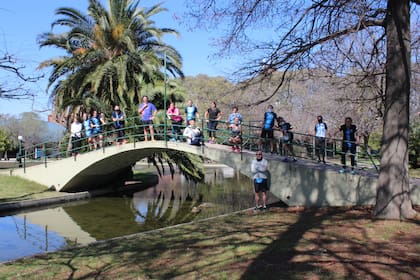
x=308, y=249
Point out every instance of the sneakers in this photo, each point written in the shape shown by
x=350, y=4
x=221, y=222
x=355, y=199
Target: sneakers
x=285, y=160
x=264, y=207
x=353, y=172
x=238, y=150
x=233, y=148
x=341, y=171
x=211, y=142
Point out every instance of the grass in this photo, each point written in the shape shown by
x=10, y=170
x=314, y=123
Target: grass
x=13, y=188
x=283, y=243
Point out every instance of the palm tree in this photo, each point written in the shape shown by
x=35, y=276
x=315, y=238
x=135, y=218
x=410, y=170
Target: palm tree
x=112, y=55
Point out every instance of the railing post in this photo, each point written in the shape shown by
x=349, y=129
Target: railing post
x=45, y=155
x=24, y=161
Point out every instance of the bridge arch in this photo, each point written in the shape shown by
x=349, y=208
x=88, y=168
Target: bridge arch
x=89, y=170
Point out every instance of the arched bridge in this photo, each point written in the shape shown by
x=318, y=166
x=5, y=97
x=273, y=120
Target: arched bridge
x=299, y=183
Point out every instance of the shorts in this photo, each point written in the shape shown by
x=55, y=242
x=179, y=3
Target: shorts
x=267, y=133
x=149, y=122
x=261, y=187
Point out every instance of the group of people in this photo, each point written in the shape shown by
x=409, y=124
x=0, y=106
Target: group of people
x=259, y=166
x=91, y=127
x=349, y=132
x=184, y=125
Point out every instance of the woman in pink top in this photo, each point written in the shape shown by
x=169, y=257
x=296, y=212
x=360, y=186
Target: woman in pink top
x=176, y=119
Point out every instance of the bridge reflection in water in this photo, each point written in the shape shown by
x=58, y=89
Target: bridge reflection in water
x=168, y=203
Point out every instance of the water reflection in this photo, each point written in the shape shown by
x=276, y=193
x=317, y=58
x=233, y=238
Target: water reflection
x=172, y=201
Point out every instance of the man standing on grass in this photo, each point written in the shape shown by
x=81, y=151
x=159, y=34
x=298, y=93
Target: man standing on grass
x=259, y=168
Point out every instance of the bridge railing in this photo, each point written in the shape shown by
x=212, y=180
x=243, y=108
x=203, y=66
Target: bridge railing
x=304, y=144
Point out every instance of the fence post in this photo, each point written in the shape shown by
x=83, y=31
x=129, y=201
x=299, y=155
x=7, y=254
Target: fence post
x=45, y=155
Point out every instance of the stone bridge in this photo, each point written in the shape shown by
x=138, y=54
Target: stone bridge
x=299, y=183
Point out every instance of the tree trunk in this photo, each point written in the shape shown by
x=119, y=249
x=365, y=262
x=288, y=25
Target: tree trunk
x=393, y=191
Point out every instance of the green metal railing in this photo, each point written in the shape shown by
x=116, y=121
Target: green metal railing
x=304, y=144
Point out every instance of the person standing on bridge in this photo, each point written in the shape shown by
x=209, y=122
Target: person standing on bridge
x=118, y=120
x=320, y=134
x=96, y=124
x=267, y=131
x=191, y=112
x=350, y=141
x=87, y=130
x=212, y=116
x=148, y=112
x=259, y=169
x=176, y=119
x=76, y=135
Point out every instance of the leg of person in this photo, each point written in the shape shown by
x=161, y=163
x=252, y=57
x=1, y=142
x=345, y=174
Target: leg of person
x=264, y=198
x=317, y=148
x=343, y=158
x=256, y=195
x=323, y=149
x=152, y=132
x=257, y=200
x=145, y=133
x=101, y=140
x=353, y=157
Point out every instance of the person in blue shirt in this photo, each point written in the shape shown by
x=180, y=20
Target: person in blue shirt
x=233, y=115
x=191, y=112
x=118, y=120
x=148, y=112
x=267, y=131
x=96, y=124
x=87, y=130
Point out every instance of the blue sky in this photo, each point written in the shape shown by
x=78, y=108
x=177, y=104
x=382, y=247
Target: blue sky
x=21, y=21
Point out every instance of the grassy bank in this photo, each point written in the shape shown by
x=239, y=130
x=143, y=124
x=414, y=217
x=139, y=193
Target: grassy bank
x=13, y=188
x=290, y=243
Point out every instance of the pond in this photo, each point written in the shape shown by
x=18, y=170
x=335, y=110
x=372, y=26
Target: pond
x=172, y=201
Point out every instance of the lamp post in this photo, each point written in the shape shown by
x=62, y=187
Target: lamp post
x=164, y=99
x=19, y=157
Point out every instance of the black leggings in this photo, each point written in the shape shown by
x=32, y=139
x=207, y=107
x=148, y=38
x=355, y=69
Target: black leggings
x=348, y=148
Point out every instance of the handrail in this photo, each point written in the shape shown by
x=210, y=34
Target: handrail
x=304, y=144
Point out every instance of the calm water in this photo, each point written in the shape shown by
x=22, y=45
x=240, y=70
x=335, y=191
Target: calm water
x=168, y=203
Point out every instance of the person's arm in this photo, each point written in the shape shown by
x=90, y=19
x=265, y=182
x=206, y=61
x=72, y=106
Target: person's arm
x=253, y=167
x=154, y=111
x=143, y=107
x=357, y=136
x=206, y=115
x=219, y=115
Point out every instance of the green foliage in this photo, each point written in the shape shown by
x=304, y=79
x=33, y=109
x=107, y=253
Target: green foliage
x=414, y=143
x=112, y=55
x=6, y=142
x=375, y=140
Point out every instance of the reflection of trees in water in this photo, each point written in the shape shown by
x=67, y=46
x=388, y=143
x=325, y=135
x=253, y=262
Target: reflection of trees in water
x=177, y=210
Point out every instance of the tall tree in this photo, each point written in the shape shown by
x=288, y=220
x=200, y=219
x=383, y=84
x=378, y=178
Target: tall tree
x=111, y=55
x=343, y=37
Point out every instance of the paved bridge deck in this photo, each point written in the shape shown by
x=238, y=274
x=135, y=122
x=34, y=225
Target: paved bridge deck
x=303, y=182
